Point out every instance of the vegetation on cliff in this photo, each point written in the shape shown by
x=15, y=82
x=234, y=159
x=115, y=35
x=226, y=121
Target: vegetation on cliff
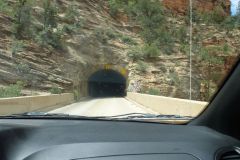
x=152, y=39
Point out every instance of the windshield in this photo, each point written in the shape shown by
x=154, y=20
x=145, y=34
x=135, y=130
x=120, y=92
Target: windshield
x=157, y=60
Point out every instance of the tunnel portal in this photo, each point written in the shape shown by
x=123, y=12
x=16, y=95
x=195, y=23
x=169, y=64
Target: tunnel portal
x=107, y=83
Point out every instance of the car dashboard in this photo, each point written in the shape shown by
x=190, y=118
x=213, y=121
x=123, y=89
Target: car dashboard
x=49, y=139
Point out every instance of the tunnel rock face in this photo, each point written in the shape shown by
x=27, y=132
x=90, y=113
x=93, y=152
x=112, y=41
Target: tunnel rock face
x=106, y=83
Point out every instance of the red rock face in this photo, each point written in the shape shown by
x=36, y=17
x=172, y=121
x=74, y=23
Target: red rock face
x=181, y=6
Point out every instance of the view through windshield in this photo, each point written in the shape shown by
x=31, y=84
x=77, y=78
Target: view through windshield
x=136, y=59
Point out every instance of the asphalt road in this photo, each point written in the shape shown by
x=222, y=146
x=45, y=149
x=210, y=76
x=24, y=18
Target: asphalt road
x=103, y=107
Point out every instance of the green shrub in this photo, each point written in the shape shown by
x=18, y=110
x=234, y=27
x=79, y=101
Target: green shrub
x=160, y=36
x=149, y=13
x=49, y=14
x=218, y=14
x=135, y=53
x=153, y=91
x=112, y=34
x=50, y=37
x=208, y=55
x=101, y=35
x=5, y=7
x=149, y=36
x=151, y=17
x=182, y=34
x=238, y=9
x=76, y=94
x=173, y=76
x=151, y=51
x=226, y=49
x=230, y=23
x=113, y=7
x=71, y=13
x=184, y=48
x=164, y=41
x=128, y=40
x=163, y=68
x=167, y=49
x=116, y=5
x=22, y=68
x=55, y=90
x=22, y=20
x=164, y=37
x=72, y=28
x=69, y=28
x=17, y=46
x=142, y=67
x=13, y=90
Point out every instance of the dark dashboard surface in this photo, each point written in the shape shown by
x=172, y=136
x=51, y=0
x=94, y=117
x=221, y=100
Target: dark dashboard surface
x=110, y=140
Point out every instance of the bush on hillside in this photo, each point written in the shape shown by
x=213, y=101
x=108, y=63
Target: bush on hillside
x=71, y=13
x=55, y=90
x=142, y=67
x=49, y=14
x=17, y=46
x=49, y=37
x=218, y=15
x=22, y=20
x=127, y=40
x=13, y=90
x=135, y=53
x=101, y=35
x=151, y=51
x=5, y=7
x=153, y=91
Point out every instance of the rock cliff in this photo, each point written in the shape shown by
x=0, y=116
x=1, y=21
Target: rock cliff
x=105, y=39
x=182, y=6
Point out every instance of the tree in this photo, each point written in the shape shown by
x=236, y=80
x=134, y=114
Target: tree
x=50, y=33
x=149, y=14
x=210, y=59
x=238, y=9
x=5, y=7
x=49, y=15
x=22, y=19
x=238, y=15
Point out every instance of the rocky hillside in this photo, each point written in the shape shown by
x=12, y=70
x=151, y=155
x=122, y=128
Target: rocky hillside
x=88, y=33
x=181, y=6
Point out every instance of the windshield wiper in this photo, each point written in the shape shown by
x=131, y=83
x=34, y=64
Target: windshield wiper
x=143, y=117
x=137, y=116
x=46, y=115
x=37, y=114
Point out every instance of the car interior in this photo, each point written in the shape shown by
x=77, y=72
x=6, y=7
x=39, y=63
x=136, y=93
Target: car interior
x=213, y=135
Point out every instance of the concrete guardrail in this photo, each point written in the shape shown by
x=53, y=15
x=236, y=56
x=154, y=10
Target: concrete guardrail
x=167, y=105
x=34, y=103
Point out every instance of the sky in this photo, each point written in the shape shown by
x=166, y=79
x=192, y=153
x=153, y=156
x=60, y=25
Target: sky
x=234, y=6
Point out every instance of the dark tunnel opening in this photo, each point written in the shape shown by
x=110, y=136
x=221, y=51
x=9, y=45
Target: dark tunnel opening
x=107, y=83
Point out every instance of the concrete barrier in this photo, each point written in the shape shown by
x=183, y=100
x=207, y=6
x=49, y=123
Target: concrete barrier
x=167, y=105
x=33, y=103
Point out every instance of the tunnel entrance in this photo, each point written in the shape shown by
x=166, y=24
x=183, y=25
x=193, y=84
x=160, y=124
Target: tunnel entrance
x=107, y=83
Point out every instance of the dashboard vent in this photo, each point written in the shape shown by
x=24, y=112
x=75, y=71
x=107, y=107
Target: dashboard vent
x=233, y=154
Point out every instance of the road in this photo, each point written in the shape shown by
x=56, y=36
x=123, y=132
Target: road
x=103, y=107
